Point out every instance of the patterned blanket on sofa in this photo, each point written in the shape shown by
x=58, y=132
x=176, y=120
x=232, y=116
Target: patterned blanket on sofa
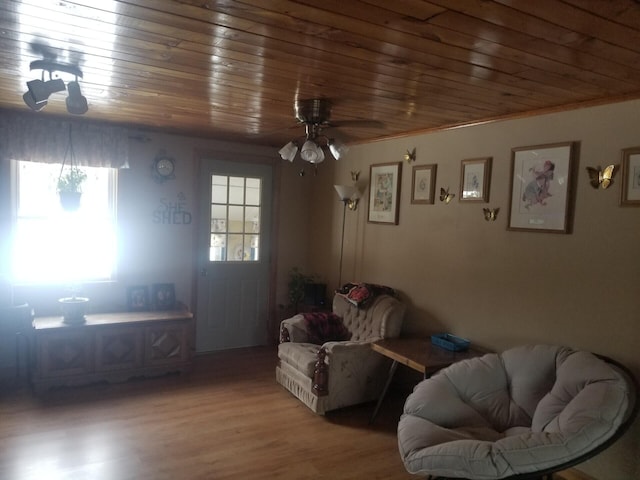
x=360, y=294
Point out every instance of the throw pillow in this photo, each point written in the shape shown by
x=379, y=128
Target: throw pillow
x=325, y=327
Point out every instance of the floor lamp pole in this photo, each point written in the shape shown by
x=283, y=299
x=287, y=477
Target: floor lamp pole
x=344, y=213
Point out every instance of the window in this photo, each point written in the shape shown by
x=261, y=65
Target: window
x=51, y=245
x=235, y=219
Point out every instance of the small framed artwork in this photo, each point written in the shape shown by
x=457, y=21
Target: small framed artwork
x=475, y=179
x=630, y=194
x=384, y=193
x=542, y=179
x=164, y=296
x=423, y=184
x=138, y=298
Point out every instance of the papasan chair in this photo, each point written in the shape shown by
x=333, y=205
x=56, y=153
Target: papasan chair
x=522, y=414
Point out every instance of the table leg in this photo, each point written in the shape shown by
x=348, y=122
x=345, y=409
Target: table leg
x=392, y=370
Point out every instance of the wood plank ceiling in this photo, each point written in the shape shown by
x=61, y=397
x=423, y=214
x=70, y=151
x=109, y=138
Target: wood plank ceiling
x=233, y=69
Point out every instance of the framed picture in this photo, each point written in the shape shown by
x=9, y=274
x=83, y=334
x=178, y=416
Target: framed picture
x=475, y=178
x=423, y=183
x=138, y=298
x=542, y=179
x=630, y=194
x=384, y=193
x=164, y=296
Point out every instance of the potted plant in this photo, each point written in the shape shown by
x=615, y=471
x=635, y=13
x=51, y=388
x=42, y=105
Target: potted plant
x=69, y=188
x=297, y=283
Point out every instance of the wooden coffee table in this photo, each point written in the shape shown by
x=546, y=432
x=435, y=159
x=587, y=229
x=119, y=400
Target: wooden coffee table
x=419, y=354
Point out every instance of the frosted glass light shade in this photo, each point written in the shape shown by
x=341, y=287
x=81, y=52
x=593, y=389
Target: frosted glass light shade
x=288, y=152
x=345, y=192
x=337, y=148
x=312, y=153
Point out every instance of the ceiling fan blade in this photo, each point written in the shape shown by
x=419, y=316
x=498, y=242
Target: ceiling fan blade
x=357, y=123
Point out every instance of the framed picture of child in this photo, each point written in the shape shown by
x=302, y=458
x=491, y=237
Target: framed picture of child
x=542, y=182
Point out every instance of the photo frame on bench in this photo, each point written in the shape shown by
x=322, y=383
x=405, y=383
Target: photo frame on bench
x=164, y=296
x=138, y=298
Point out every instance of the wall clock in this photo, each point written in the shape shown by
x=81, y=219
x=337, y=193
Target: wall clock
x=163, y=168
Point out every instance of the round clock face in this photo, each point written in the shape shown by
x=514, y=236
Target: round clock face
x=165, y=167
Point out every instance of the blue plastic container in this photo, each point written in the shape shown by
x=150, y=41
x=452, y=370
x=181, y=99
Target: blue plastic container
x=450, y=342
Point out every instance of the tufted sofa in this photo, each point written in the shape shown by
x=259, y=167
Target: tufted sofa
x=525, y=413
x=338, y=373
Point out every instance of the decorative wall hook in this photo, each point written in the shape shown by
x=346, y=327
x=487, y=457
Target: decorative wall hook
x=445, y=196
x=354, y=175
x=410, y=156
x=602, y=178
x=490, y=214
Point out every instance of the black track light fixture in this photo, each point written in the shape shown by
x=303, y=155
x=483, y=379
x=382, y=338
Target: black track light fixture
x=39, y=90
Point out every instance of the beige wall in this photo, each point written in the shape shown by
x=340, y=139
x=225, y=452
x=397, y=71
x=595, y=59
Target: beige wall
x=461, y=274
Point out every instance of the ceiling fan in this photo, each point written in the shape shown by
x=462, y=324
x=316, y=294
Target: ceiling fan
x=315, y=115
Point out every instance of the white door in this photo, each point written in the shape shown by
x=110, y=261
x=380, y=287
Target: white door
x=233, y=251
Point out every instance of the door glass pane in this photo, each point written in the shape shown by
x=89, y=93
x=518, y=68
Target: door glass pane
x=236, y=250
x=236, y=218
x=217, y=250
x=218, y=189
x=236, y=190
x=252, y=219
x=253, y=191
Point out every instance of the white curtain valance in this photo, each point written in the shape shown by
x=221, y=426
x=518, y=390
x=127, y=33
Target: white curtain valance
x=40, y=139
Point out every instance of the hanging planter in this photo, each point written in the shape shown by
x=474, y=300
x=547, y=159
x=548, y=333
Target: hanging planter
x=70, y=188
x=70, y=181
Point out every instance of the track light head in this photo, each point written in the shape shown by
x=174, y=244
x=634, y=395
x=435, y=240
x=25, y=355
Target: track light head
x=40, y=90
x=36, y=107
x=76, y=102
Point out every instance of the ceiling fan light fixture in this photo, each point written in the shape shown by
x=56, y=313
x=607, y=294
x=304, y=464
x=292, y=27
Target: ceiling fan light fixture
x=311, y=152
x=76, y=102
x=288, y=152
x=337, y=148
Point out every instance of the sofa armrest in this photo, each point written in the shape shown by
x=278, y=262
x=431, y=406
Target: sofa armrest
x=294, y=329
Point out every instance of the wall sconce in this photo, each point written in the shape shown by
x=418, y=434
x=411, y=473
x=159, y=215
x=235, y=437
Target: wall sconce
x=410, y=156
x=445, y=196
x=601, y=178
x=490, y=214
x=39, y=90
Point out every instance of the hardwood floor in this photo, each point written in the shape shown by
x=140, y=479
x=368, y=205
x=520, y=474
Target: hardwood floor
x=229, y=419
